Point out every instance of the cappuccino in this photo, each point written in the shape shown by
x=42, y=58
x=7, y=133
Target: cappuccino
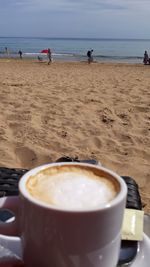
x=72, y=187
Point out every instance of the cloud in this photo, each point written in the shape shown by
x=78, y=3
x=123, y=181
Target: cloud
x=74, y=5
x=74, y=17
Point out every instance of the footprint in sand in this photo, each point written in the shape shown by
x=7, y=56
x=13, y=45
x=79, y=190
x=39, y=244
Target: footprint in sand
x=26, y=156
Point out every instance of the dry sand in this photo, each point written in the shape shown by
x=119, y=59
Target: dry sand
x=98, y=111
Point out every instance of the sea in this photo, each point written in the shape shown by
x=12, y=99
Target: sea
x=75, y=49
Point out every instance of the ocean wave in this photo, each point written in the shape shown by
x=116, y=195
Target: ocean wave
x=43, y=54
x=115, y=57
x=118, y=57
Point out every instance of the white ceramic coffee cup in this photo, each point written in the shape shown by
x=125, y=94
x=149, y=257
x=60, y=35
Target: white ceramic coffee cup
x=53, y=237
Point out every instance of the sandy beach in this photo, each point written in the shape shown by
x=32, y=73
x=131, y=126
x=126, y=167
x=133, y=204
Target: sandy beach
x=99, y=111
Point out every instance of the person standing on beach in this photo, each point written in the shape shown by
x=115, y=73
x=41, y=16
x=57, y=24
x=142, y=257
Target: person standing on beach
x=6, y=50
x=89, y=55
x=20, y=53
x=49, y=55
x=146, y=58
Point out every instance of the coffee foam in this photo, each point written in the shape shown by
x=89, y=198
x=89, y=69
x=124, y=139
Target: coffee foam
x=71, y=188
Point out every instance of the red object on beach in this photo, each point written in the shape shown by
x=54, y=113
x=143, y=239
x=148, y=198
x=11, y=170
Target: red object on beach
x=44, y=51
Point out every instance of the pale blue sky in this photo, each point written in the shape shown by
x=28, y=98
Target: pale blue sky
x=75, y=18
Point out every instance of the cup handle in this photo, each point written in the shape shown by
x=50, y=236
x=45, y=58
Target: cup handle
x=10, y=204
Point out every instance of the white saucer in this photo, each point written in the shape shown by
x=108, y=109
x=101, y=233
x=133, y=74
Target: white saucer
x=142, y=259
x=143, y=256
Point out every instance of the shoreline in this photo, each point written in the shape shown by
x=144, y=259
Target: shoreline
x=74, y=58
x=75, y=49
x=57, y=61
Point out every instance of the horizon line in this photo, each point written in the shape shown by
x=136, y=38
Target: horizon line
x=77, y=38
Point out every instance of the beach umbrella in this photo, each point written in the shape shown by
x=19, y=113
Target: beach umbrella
x=44, y=51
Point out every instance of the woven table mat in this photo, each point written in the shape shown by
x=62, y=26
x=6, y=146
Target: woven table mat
x=9, y=178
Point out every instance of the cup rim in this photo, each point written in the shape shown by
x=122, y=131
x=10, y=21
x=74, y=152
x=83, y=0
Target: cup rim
x=118, y=198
